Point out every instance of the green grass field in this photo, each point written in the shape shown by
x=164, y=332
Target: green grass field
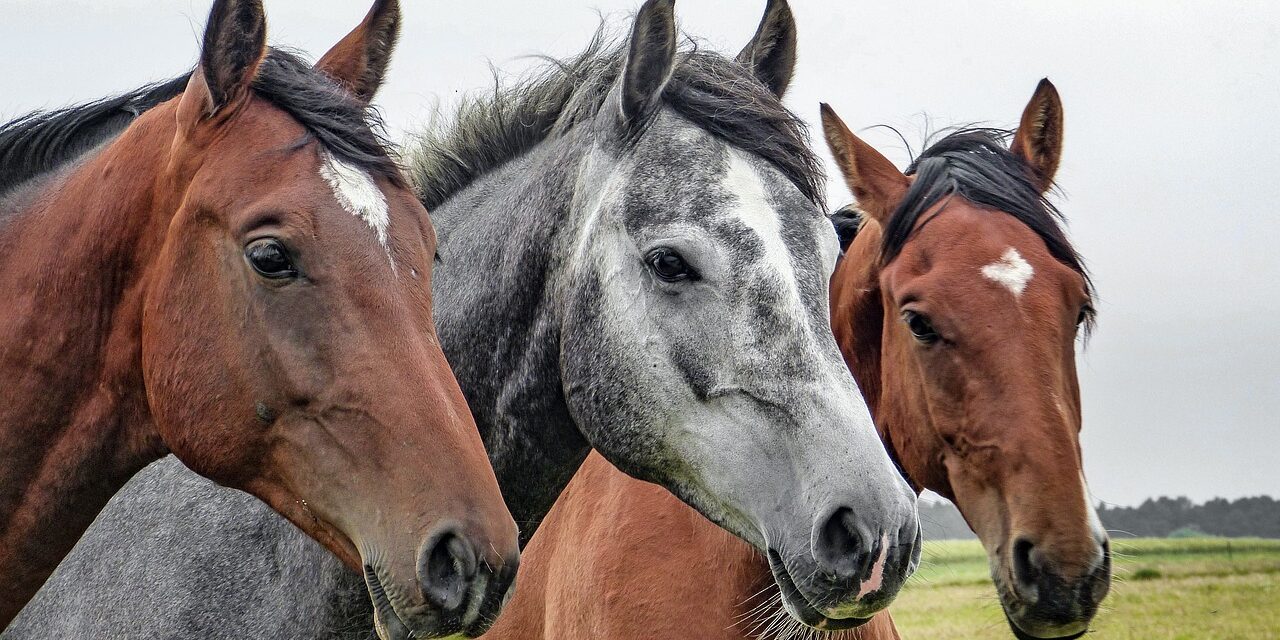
x=1192, y=589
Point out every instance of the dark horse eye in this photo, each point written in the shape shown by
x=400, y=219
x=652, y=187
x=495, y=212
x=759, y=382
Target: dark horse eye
x=269, y=258
x=920, y=327
x=669, y=266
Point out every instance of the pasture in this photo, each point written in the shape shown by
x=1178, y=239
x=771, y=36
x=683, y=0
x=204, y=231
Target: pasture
x=1165, y=589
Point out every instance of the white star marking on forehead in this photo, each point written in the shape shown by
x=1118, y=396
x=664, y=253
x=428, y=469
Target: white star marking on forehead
x=358, y=194
x=1010, y=271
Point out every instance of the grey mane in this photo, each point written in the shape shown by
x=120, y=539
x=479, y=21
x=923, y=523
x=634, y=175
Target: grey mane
x=713, y=92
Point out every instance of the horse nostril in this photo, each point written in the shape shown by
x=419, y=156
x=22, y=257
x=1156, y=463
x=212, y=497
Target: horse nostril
x=1099, y=580
x=1026, y=573
x=840, y=548
x=910, y=541
x=446, y=569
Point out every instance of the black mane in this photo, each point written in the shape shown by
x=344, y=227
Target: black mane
x=40, y=142
x=848, y=222
x=976, y=165
x=715, y=93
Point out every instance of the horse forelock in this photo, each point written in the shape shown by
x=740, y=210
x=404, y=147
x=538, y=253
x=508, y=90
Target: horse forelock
x=715, y=93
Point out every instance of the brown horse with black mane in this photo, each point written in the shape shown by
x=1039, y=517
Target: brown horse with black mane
x=242, y=277
x=958, y=307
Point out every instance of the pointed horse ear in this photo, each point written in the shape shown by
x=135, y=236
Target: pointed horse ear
x=1039, y=138
x=359, y=61
x=771, y=54
x=650, y=61
x=235, y=42
x=878, y=185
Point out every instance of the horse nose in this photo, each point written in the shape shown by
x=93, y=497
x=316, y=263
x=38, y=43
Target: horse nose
x=1099, y=583
x=447, y=569
x=874, y=563
x=841, y=546
x=1028, y=568
x=1039, y=584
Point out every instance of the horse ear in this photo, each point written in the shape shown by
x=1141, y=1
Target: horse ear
x=1039, y=138
x=771, y=54
x=874, y=181
x=650, y=61
x=235, y=42
x=359, y=61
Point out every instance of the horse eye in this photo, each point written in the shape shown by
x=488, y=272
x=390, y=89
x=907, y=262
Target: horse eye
x=669, y=265
x=270, y=259
x=920, y=327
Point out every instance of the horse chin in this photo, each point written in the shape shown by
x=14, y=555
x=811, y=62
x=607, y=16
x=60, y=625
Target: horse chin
x=1023, y=635
x=799, y=607
x=386, y=622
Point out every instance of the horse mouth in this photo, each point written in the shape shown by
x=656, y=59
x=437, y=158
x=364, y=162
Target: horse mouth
x=799, y=606
x=386, y=621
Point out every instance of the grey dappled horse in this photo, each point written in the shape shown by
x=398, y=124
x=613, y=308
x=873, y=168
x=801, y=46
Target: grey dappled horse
x=633, y=257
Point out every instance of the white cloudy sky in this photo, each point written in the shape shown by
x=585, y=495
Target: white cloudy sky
x=1171, y=175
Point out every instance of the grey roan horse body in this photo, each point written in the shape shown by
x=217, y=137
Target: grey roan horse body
x=632, y=258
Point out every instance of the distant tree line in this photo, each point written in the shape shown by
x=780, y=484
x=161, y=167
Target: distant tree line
x=1156, y=517
x=1247, y=517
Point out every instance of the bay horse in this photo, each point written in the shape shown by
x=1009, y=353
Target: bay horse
x=957, y=307
x=241, y=277
x=633, y=259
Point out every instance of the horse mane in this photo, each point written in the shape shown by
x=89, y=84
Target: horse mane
x=713, y=92
x=40, y=142
x=43, y=141
x=976, y=164
x=848, y=222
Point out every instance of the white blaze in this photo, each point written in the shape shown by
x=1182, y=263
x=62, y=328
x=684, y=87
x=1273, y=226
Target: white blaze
x=1011, y=271
x=358, y=194
x=755, y=210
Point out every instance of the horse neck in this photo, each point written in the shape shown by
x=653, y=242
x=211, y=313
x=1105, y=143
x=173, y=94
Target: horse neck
x=502, y=244
x=74, y=425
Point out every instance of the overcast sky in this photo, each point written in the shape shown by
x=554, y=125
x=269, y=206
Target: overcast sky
x=1171, y=175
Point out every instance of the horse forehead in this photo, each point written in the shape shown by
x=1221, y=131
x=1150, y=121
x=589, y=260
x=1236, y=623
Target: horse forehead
x=685, y=175
x=786, y=223
x=358, y=194
x=973, y=249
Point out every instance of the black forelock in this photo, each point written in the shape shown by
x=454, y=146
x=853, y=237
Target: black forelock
x=713, y=92
x=977, y=165
x=40, y=142
x=848, y=222
x=344, y=125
